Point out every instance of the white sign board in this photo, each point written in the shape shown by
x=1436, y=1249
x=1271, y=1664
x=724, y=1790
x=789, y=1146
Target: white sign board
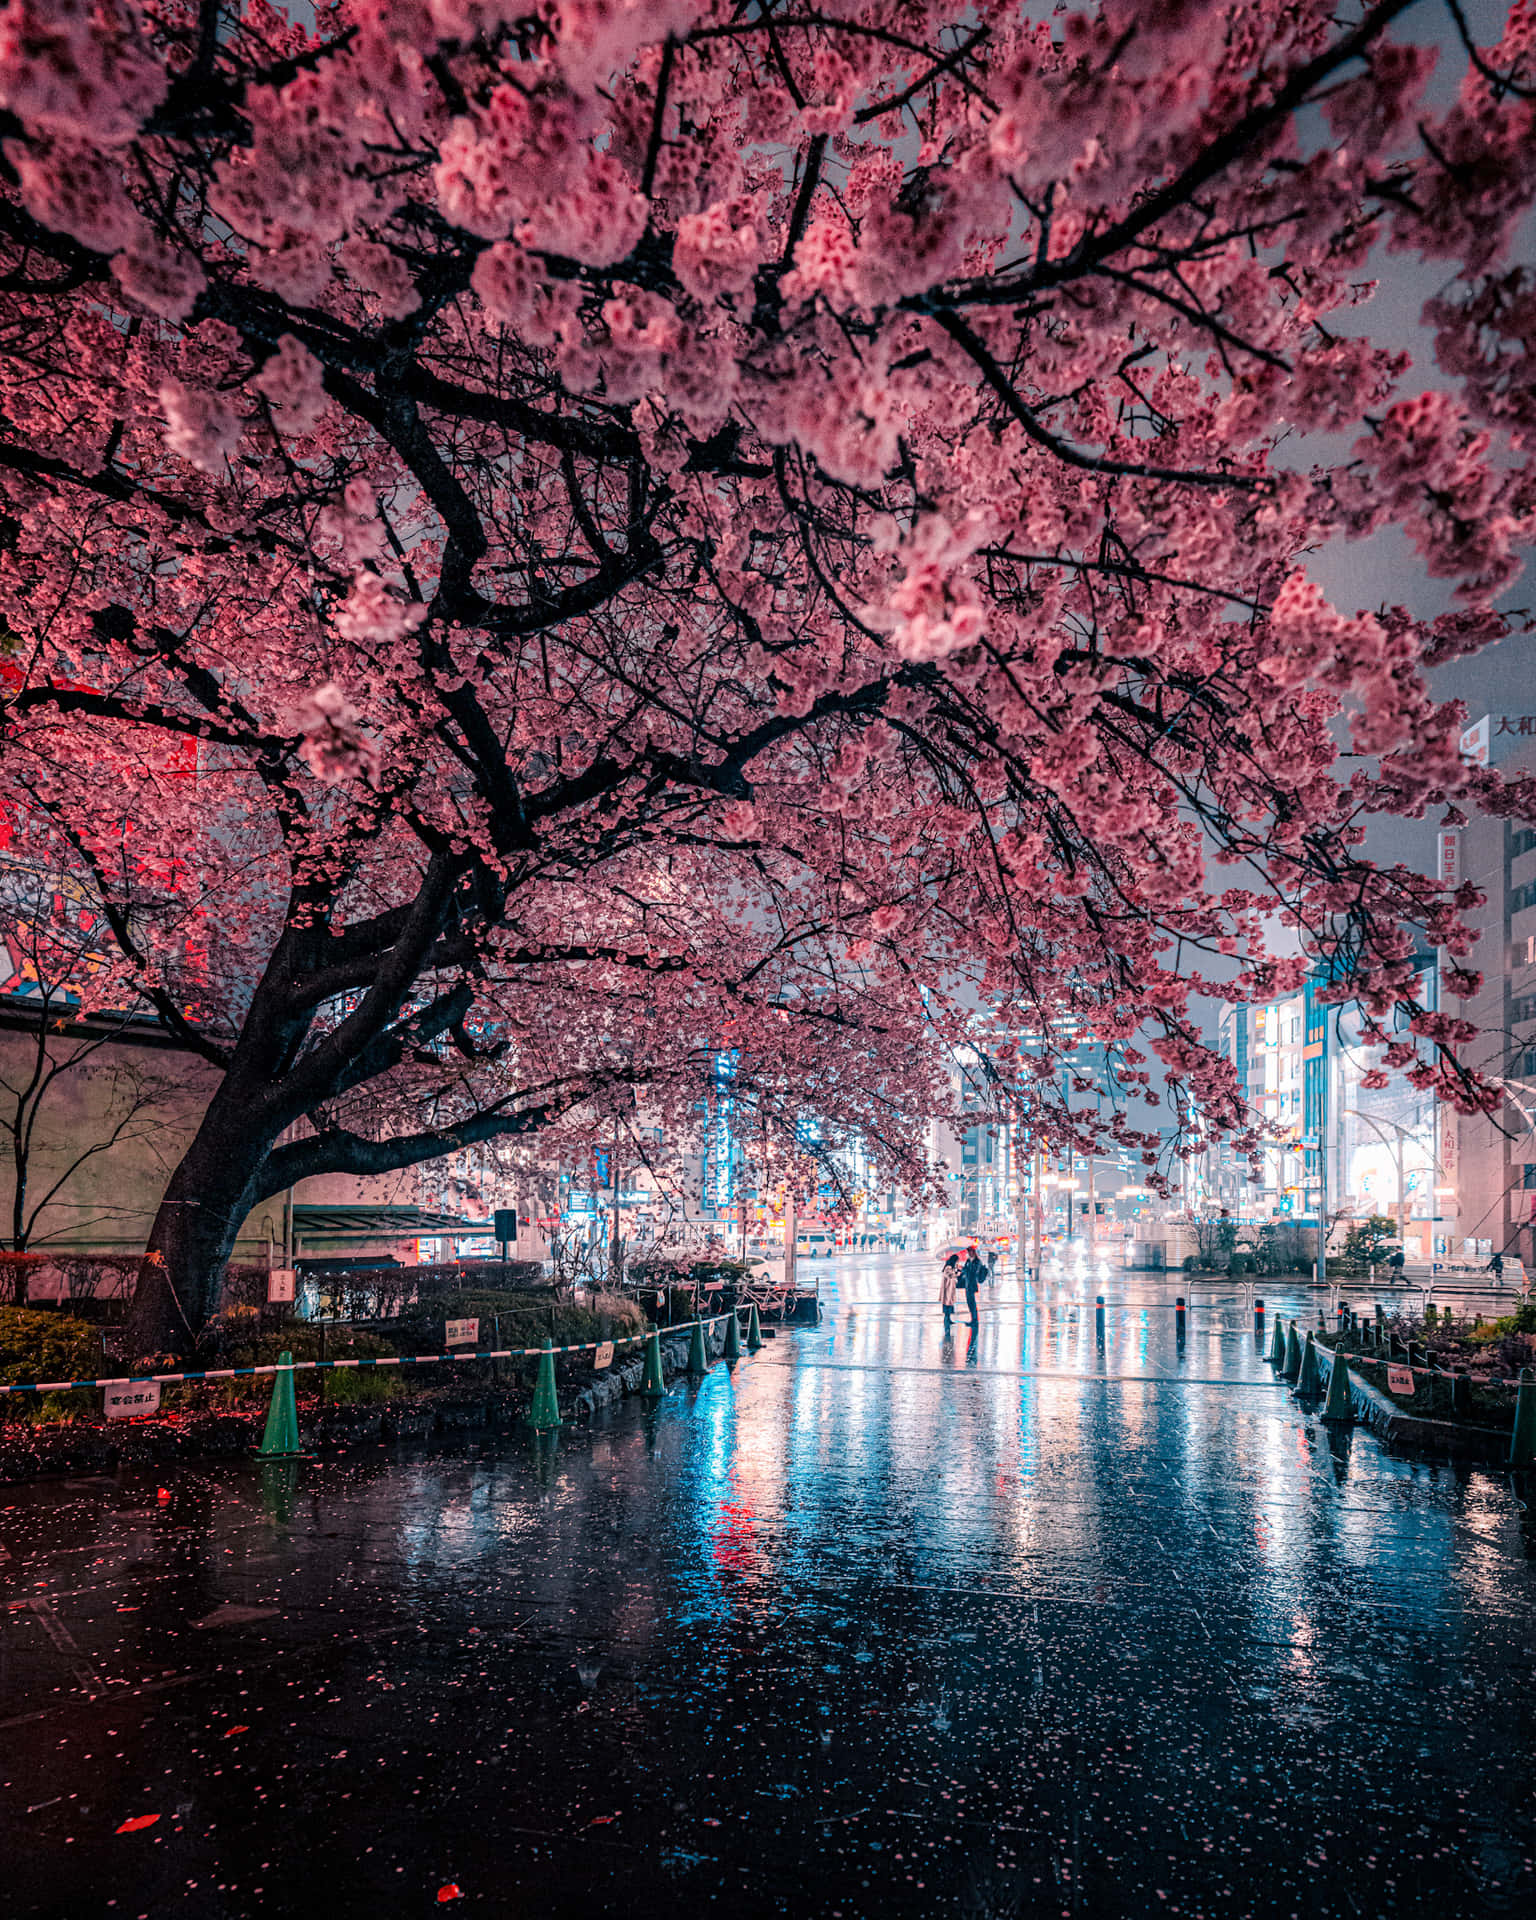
x=604, y=1356
x=279, y=1285
x=1400, y=1380
x=1475, y=741
x=131, y=1399
x=462, y=1333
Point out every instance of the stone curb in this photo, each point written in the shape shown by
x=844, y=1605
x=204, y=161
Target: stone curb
x=1412, y=1432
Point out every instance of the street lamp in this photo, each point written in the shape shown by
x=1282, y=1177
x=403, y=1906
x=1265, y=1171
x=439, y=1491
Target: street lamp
x=1403, y=1133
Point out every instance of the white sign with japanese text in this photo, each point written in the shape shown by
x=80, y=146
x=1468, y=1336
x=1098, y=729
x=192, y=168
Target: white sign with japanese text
x=279, y=1285
x=1400, y=1380
x=462, y=1333
x=603, y=1357
x=132, y=1399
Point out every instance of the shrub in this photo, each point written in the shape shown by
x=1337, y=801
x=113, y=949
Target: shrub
x=1491, y=1333
x=14, y=1269
x=37, y=1343
x=509, y=1319
x=243, y=1342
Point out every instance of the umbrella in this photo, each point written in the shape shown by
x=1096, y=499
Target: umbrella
x=955, y=1246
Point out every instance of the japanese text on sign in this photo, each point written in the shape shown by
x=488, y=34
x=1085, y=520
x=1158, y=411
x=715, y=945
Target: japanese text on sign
x=132, y=1399
x=1400, y=1380
x=279, y=1285
x=604, y=1356
x=462, y=1333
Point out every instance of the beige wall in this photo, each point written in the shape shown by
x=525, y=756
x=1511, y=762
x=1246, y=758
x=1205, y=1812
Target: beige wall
x=108, y=1203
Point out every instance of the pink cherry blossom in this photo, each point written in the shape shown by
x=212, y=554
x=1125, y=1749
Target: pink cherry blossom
x=543, y=544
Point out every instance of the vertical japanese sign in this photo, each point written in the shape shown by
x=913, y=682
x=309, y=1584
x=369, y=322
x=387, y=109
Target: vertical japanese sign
x=719, y=1143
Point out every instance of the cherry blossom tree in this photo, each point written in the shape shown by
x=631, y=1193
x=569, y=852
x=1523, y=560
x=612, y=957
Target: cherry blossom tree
x=672, y=523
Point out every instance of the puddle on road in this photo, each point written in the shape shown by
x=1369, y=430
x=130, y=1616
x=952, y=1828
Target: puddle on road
x=900, y=1639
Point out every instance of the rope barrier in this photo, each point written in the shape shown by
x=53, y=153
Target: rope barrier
x=378, y=1360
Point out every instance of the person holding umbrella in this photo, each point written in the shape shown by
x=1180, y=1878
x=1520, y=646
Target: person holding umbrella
x=948, y=1277
x=972, y=1274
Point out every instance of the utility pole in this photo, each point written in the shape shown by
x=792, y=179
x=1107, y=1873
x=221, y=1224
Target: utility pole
x=1090, y=1206
x=1322, y=1176
x=615, y=1269
x=1400, y=1133
x=1039, y=1177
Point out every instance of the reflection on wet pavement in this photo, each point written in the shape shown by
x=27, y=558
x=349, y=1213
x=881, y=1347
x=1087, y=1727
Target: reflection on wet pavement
x=880, y=1623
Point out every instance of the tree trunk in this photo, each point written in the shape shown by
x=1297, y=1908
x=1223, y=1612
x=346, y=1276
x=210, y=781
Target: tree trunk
x=208, y=1198
x=21, y=1294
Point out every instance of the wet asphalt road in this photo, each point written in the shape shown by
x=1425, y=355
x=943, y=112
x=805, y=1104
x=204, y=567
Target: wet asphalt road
x=878, y=1625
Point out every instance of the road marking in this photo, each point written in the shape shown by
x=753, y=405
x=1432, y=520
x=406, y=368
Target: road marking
x=64, y=1640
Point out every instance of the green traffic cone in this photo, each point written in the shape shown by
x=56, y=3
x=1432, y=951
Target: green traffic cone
x=544, y=1414
x=1277, y=1347
x=652, y=1385
x=698, y=1359
x=1308, y=1383
x=1340, y=1403
x=1292, y=1367
x=1522, y=1439
x=280, y=1441
x=754, y=1331
x=732, y=1336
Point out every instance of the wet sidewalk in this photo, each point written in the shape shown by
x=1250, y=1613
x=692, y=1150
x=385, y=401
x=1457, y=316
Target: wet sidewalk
x=879, y=1624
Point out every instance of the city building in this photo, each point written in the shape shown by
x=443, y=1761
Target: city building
x=1304, y=1066
x=1493, y=1157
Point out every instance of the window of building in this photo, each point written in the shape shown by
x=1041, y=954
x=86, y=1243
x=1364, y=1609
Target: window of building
x=1530, y=1177
x=1521, y=840
x=1520, y=898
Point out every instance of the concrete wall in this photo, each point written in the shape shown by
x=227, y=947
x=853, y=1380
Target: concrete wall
x=108, y=1202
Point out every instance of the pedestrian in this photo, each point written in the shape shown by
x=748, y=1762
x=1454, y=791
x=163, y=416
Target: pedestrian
x=972, y=1274
x=991, y=1266
x=948, y=1277
x=1496, y=1266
